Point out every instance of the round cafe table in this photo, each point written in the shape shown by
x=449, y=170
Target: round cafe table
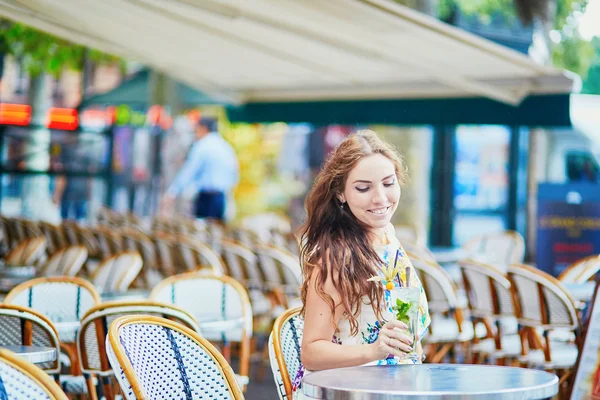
x=33, y=354
x=429, y=381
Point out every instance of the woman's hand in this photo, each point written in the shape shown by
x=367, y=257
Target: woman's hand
x=392, y=340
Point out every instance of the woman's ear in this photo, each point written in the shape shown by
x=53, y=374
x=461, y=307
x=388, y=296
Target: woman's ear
x=341, y=198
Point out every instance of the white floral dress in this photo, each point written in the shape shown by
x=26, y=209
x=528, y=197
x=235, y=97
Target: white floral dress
x=368, y=324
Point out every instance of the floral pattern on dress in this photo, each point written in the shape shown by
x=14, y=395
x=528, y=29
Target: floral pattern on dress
x=298, y=379
x=372, y=333
x=336, y=340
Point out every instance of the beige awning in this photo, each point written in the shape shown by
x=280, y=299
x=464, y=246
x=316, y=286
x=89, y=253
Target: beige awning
x=288, y=50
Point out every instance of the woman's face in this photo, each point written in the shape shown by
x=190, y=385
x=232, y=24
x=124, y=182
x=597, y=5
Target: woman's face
x=372, y=191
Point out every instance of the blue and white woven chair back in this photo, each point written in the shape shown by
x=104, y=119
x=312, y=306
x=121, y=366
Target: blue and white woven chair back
x=500, y=249
x=104, y=314
x=555, y=309
x=284, y=350
x=28, y=252
x=22, y=380
x=66, y=262
x=581, y=270
x=209, y=299
x=439, y=287
x=117, y=272
x=19, y=323
x=282, y=271
x=61, y=299
x=155, y=358
x=483, y=301
x=240, y=261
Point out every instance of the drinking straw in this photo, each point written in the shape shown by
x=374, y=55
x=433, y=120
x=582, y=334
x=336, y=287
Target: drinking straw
x=397, y=273
x=407, y=276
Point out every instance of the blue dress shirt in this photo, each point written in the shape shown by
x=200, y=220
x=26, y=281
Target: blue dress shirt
x=211, y=166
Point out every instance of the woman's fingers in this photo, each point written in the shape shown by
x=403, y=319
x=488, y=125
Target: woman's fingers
x=396, y=324
x=400, y=336
x=396, y=344
x=395, y=351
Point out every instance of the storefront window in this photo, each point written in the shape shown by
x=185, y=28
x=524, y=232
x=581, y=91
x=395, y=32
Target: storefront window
x=481, y=183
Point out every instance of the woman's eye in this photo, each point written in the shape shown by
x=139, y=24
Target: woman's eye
x=389, y=184
x=362, y=190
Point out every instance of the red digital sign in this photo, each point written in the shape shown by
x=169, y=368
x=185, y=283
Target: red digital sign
x=15, y=114
x=62, y=118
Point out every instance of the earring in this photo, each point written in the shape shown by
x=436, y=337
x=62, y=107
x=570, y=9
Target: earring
x=342, y=206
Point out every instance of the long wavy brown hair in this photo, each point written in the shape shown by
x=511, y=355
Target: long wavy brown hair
x=333, y=241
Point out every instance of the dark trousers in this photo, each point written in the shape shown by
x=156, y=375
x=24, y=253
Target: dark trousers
x=73, y=209
x=210, y=205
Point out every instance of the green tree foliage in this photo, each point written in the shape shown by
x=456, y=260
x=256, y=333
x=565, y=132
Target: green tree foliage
x=591, y=84
x=40, y=52
x=569, y=50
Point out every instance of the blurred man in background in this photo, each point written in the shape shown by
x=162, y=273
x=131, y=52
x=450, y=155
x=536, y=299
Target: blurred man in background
x=211, y=170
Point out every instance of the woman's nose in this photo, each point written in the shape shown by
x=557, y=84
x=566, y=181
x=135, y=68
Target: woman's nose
x=379, y=195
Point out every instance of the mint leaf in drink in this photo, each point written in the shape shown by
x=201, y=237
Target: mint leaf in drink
x=402, y=309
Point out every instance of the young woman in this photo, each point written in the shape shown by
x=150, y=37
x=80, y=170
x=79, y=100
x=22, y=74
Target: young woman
x=347, y=240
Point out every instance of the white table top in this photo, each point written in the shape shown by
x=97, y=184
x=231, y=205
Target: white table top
x=219, y=325
x=430, y=381
x=33, y=354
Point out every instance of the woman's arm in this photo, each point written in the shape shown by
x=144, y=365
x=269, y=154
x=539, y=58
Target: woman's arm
x=318, y=350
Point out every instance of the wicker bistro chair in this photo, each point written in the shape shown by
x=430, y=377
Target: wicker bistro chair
x=54, y=237
x=542, y=304
x=23, y=380
x=30, y=228
x=24, y=326
x=448, y=324
x=236, y=257
x=66, y=262
x=63, y=300
x=242, y=265
x=244, y=236
x=170, y=362
x=419, y=250
x=192, y=254
x=284, y=350
x=28, y=252
x=91, y=340
x=501, y=249
x=134, y=240
x=13, y=233
x=85, y=237
x=221, y=307
x=282, y=274
x=581, y=271
x=116, y=273
x=109, y=241
x=490, y=301
x=163, y=246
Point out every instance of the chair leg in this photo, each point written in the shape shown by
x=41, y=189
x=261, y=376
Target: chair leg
x=227, y=351
x=244, y=356
x=71, y=351
x=106, y=385
x=441, y=353
x=260, y=375
x=91, y=388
